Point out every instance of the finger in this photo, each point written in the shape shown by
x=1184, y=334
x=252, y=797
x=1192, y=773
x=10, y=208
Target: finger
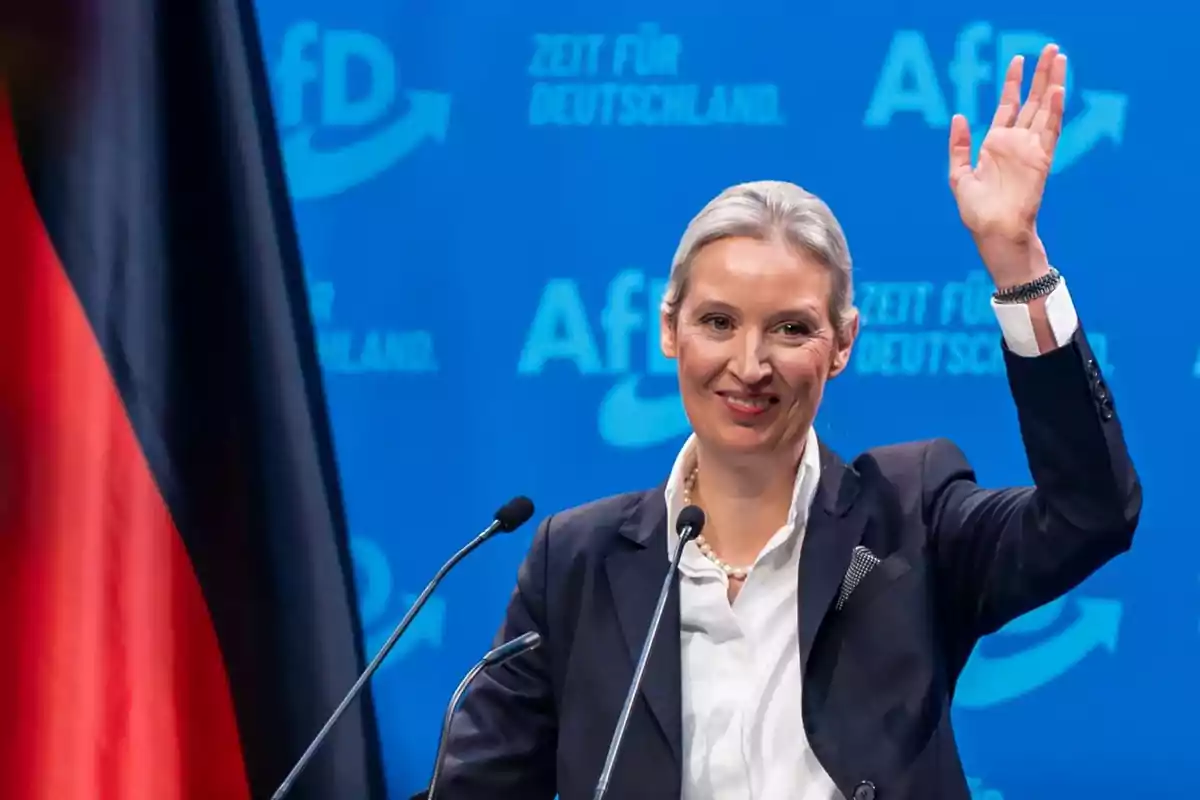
x=1049, y=132
x=1041, y=78
x=1058, y=71
x=960, y=149
x=1010, y=96
x=1041, y=74
x=1056, y=85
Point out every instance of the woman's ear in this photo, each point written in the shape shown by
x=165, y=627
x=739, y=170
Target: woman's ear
x=666, y=334
x=844, y=344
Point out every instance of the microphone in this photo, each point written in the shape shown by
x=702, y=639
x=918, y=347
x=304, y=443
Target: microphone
x=688, y=526
x=510, y=516
x=510, y=649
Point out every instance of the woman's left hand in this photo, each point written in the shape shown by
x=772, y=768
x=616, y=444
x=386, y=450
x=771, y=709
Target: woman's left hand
x=999, y=197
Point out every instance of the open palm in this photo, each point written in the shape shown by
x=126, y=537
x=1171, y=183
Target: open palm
x=999, y=197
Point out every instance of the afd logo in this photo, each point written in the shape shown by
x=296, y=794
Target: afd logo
x=990, y=680
x=641, y=407
x=349, y=142
x=981, y=791
x=373, y=576
x=908, y=84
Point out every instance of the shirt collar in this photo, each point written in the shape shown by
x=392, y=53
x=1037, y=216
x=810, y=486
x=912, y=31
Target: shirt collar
x=804, y=488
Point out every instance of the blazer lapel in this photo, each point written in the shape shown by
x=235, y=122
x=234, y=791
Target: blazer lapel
x=636, y=571
x=835, y=527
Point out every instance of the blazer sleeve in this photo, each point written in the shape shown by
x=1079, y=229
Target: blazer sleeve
x=1002, y=553
x=502, y=742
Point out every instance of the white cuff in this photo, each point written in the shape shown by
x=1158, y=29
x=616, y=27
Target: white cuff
x=1018, y=327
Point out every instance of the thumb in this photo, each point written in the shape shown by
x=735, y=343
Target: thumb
x=960, y=149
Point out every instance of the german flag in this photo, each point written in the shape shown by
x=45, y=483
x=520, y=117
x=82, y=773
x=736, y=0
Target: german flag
x=176, y=595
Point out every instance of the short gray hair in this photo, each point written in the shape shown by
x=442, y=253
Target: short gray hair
x=764, y=210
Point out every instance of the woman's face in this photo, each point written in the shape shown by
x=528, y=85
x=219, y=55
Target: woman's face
x=755, y=345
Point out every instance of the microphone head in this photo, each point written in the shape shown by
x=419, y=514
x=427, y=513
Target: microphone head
x=514, y=513
x=690, y=522
x=530, y=640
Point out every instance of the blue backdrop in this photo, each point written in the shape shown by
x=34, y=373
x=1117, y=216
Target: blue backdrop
x=489, y=195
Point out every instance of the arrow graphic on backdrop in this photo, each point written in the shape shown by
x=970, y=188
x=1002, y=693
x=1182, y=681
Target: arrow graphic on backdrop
x=1103, y=117
x=314, y=173
x=373, y=573
x=989, y=681
x=979, y=791
x=427, y=631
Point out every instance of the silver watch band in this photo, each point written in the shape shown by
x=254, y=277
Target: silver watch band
x=1023, y=293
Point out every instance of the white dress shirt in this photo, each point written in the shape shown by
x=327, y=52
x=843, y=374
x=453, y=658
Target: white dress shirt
x=743, y=736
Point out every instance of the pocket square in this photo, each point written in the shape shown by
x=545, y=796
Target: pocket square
x=861, y=565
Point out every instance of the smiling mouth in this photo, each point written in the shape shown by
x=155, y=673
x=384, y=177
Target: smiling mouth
x=750, y=404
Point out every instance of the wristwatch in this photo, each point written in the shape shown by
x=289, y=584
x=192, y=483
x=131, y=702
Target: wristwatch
x=1025, y=292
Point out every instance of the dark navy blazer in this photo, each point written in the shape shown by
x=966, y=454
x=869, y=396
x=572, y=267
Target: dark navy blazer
x=959, y=562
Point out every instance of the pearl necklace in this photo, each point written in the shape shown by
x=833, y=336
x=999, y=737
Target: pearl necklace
x=734, y=573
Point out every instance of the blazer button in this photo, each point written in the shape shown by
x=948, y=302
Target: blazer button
x=864, y=791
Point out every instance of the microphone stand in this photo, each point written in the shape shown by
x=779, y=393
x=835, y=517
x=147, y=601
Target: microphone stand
x=510, y=649
x=486, y=534
x=685, y=535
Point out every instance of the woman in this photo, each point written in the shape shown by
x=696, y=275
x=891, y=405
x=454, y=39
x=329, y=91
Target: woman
x=822, y=618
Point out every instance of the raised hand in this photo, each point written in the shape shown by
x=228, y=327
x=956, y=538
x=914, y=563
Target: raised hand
x=998, y=198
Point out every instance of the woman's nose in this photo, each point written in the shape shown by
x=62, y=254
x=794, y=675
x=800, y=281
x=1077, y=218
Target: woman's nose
x=750, y=364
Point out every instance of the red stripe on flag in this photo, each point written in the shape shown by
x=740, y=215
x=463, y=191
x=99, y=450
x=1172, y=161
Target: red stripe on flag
x=112, y=682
